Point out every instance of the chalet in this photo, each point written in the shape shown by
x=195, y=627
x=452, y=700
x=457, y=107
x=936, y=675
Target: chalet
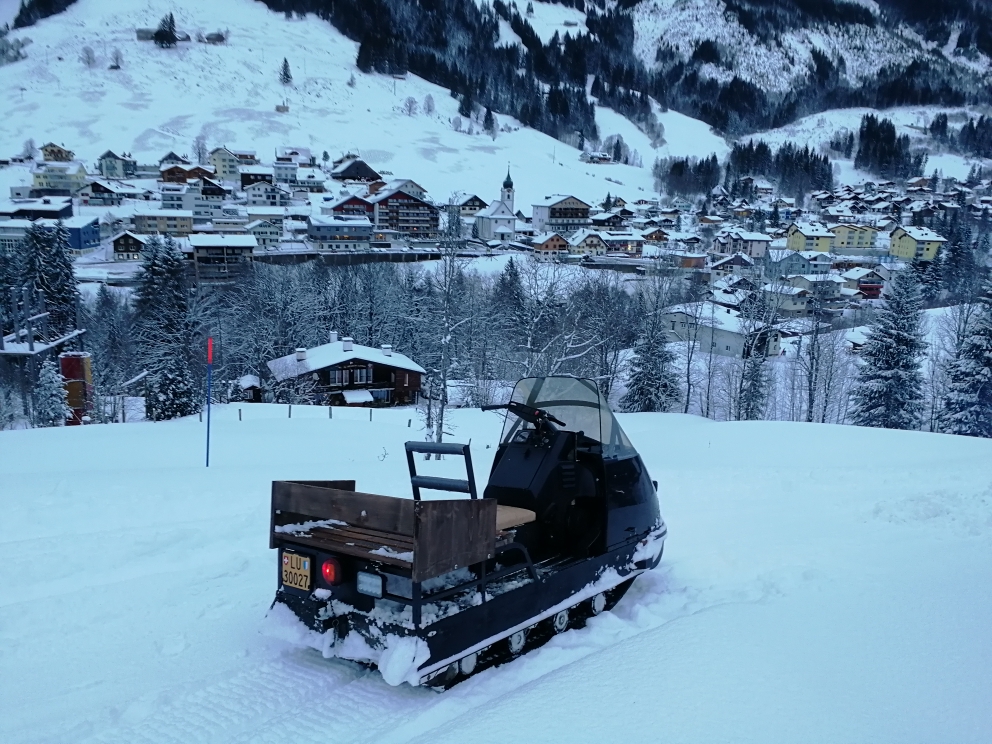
x=625, y=242
x=202, y=196
x=181, y=173
x=826, y=286
x=684, y=259
x=549, y=246
x=175, y=222
x=560, y=213
x=221, y=259
x=56, y=153
x=254, y=173
x=59, y=178
x=736, y=264
x=785, y=262
x=345, y=373
x=339, y=233
x=655, y=235
x=606, y=221
x=226, y=163
x=112, y=165
x=469, y=205
x=298, y=155
x=172, y=159
x=586, y=243
x=788, y=301
x=266, y=194
x=353, y=168
x=348, y=204
x=709, y=220
x=128, y=246
x=308, y=179
x=720, y=329
x=405, y=214
x=266, y=233
x=915, y=243
x=753, y=244
x=107, y=193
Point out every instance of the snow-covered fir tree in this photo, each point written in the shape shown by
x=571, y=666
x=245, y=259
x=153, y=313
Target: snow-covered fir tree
x=165, y=332
x=285, y=74
x=888, y=392
x=51, y=406
x=967, y=406
x=653, y=384
x=46, y=266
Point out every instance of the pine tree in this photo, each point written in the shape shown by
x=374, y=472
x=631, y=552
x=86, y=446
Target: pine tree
x=47, y=267
x=51, y=406
x=165, y=332
x=653, y=384
x=617, y=151
x=889, y=388
x=165, y=35
x=967, y=407
x=285, y=74
x=489, y=123
x=60, y=282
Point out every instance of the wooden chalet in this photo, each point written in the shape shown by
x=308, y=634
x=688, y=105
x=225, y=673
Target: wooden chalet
x=343, y=373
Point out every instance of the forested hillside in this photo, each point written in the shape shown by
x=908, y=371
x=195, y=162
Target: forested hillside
x=739, y=65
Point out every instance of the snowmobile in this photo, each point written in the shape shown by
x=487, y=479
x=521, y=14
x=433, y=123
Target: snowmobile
x=431, y=591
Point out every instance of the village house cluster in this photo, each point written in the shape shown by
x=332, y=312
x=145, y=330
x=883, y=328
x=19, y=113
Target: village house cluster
x=232, y=207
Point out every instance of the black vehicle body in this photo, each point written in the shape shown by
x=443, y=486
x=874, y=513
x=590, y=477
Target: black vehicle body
x=569, y=517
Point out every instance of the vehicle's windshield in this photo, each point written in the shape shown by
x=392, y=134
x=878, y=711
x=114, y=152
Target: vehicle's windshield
x=578, y=403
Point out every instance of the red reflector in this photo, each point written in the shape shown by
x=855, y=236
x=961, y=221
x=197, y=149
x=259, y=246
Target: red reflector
x=331, y=571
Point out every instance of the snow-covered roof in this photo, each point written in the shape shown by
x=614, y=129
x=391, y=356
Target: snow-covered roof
x=924, y=234
x=857, y=273
x=249, y=381
x=496, y=209
x=256, y=170
x=328, y=355
x=815, y=255
x=813, y=230
x=353, y=397
x=550, y=201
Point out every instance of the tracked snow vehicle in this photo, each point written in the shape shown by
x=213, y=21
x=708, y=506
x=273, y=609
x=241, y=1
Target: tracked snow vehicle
x=433, y=590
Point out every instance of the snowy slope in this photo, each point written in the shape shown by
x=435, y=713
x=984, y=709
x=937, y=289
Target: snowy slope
x=817, y=130
x=820, y=583
x=163, y=99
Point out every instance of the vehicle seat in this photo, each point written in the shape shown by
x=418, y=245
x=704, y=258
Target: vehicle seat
x=508, y=517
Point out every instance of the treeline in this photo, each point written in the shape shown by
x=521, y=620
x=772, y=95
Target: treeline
x=32, y=11
x=974, y=138
x=796, y=170
x=686, y=176
x=882, y=151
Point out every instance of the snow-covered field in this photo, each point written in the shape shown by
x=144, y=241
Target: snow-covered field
x=162, y=99
x=820, y=583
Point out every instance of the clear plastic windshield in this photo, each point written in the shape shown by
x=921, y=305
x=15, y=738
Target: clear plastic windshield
x=578, y=403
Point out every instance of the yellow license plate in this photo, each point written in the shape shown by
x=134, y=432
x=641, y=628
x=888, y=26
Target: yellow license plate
x=296, y=570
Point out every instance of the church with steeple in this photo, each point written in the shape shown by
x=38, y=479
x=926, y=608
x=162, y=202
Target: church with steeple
x=497, y=222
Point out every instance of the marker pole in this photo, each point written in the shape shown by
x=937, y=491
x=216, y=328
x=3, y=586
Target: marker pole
x=210, y=369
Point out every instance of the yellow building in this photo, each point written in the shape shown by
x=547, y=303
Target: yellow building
x=858, y=237
x=809, y=236
x=60, y=176
x=915, y=243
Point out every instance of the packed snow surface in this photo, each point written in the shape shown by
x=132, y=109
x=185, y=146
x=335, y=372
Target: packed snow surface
x=162, y=99
x=820, y=583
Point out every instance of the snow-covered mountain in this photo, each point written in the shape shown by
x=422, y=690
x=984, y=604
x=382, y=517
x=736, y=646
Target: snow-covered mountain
x=782, y=61
x=163, y=98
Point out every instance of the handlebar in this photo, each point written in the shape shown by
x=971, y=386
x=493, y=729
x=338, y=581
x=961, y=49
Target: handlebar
x=528, y=413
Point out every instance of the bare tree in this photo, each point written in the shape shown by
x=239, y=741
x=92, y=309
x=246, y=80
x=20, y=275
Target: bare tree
x=429, y=104
x=200, y=150
x=117, y=60
x=410, y=106
x=456, y=123
x=87, y=57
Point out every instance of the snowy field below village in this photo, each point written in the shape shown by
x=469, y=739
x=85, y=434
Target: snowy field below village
x=820, y=583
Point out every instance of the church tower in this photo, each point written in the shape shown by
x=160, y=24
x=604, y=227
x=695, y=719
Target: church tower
x=506, y=195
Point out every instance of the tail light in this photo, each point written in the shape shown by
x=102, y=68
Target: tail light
x=330, y=570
